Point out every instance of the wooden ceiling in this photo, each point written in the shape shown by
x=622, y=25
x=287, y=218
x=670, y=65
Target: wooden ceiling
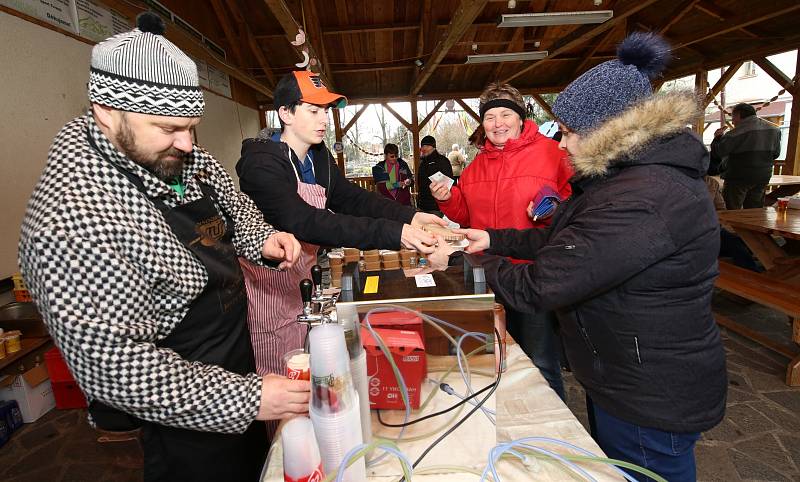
x=367, y=48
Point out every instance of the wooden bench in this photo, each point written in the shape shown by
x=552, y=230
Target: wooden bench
x=770, y=292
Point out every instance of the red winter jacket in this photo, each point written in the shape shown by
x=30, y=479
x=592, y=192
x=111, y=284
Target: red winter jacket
x=495, y=189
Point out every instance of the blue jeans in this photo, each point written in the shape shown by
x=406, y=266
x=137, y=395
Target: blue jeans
x=669, y=454
x=536, y=335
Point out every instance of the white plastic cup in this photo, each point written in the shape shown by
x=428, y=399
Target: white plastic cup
x=301, y=457
x=336, y=435
x=332, y=388
x=358, y=370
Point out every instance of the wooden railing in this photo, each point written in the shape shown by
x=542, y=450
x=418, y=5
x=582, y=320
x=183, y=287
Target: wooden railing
x=365, y=182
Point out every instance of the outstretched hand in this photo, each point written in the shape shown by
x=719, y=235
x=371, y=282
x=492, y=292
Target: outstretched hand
x=478, y=239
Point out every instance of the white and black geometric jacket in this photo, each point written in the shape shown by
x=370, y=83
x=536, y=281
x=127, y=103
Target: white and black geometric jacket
x=110, y=279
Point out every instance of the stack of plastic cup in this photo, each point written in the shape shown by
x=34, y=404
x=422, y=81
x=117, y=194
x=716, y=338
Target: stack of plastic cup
x=334, y=411
x=347, y=315
x=301, y=459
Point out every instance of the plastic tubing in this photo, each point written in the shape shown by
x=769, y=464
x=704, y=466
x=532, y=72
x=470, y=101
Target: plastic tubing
x=466, y=376
x=499, y=450
x=361, y=451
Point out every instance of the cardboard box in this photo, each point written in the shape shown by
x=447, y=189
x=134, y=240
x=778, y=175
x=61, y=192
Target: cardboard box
x=408, y=352
x=398, y=320
x=391, y=264
x=32, y=391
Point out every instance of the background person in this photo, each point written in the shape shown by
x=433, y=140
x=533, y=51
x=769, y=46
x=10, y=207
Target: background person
x=392, y=176
x=497, y=191
x=457, y=161
x=430, y=163
x=747, y=154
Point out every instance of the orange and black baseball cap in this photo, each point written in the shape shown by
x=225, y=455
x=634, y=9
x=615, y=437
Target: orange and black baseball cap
x=305, y=86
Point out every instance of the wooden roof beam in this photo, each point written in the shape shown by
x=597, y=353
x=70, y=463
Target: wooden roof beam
x=430, y=115
x=676, y=15
x=782, y=79
x=354, y=119
x=291, y=28
x=227, y=29
x=583, y=34
x=723, y=80
x=469, y=110
x=590, y=55
x=255, y=48
x=543, y=104
x=517, y=40
x=465, y=14
x=744, y=20
x=397, y=116
x=315, y=31
x=710, y=8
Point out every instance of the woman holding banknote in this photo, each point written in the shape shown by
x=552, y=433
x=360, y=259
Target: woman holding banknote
x=516, y=165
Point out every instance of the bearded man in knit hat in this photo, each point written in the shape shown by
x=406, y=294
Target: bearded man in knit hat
x=629, y=263
x=129, y=247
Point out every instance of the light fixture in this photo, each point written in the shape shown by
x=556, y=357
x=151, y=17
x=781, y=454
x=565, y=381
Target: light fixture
x=475, y=48
x=537, y=44
x=512, y=4
x=509, y=57
x=418, y=63
x=553, y=18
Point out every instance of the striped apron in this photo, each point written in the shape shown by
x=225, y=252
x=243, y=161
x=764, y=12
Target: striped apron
x=273, y=297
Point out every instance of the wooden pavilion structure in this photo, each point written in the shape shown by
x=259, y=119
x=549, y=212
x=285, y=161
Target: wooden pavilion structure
x=379, y=51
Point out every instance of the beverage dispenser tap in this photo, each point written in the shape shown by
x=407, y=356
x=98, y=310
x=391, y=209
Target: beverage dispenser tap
x=308, y=316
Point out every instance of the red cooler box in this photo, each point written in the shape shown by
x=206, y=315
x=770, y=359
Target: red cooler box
x=408, y=352
x=65, y=389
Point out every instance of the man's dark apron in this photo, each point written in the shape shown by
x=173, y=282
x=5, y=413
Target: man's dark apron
x=214, y=331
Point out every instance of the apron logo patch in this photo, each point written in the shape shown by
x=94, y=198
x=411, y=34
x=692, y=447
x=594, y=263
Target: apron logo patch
x=210, y=231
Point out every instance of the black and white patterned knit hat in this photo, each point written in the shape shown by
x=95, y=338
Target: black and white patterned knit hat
x=142, y=71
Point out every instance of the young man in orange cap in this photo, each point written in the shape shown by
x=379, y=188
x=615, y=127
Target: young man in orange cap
x=294, y=180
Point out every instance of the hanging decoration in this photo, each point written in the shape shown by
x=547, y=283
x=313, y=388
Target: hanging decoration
x=760, y=106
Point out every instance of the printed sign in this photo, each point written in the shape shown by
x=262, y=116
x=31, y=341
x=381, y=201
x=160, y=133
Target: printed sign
x=338, y=147
x=97, y=22
x=60, y=13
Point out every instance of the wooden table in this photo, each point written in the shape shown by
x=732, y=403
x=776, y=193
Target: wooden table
x=782, y=186
x=757, y=226
x=526, y=406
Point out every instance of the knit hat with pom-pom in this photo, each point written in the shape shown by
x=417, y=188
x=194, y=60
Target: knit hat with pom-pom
x=608, y=89
x=142, y=71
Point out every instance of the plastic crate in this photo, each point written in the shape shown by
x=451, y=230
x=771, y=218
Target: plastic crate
x=22, y=296
x=68, y=395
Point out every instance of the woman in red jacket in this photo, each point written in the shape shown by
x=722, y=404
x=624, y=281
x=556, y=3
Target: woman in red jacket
x=497, y=190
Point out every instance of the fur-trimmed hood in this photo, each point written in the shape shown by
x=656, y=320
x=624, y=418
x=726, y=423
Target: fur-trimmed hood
x=621, y=140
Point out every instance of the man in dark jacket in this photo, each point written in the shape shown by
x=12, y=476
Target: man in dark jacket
x=628, y=264
x=430, y=163
x=747, y=154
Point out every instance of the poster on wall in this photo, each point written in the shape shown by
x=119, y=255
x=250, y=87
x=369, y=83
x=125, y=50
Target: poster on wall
x=219, y=81
x=202, y=71
x=61, y=13
x=96, y=22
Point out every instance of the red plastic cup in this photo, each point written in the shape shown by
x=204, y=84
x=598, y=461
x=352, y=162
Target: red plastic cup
x=297, y=365
x=783, y=203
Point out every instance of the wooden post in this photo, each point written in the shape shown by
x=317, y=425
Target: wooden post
x=337, y=124
x=415, y=134
x=792, y=148
x=700, y=86
x=262, y=118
